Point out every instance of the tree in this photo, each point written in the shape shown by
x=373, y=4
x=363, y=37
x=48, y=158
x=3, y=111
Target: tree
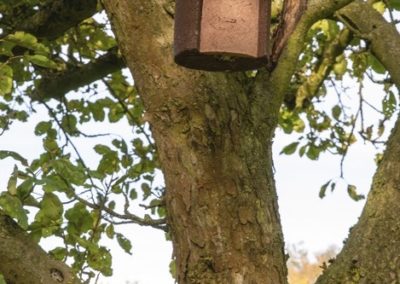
x=301, y=270
x=213, y=134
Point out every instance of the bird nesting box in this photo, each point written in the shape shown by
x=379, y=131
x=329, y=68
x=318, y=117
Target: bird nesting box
x=217, y=35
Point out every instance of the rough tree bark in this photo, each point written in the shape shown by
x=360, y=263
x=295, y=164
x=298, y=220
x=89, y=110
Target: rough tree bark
x=214, y=142
x=383, y=37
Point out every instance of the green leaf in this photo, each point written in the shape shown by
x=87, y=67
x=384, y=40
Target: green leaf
x=51, y=207
x=146, y=189
x=2, y=280
x=133, y=194
x=80, y=220
x=109, y=163
x=6, y=48
x=74, y=174
x=6, y=79
x=23, y=39
x=100, y=259
x=389, y=104
x=110, y=231
x=25, y=189
x=59, y=253
x=375, y=64
x=340, y=67
x=302, y=150
x=352, y=191
x=379, y=6
x=69, y=123
x=322, y=191
x=12, y=206
x=395, y=4
x=14, y=155
x=12, y=182
x=126, y=161
x=116, y=189
x=161, y=211
x=50, y=145
x=313, y=152
x=97, y=111
x=28, y=41
x=124, y=243
x=102, y=149
x=54, y=182
x=42, y=61
x=336, y=112
x=333, y=186
x=42, y=127
x=111, y=205
x=290, y=149
x=360, y=63
x=115, y=114
x=172, y=268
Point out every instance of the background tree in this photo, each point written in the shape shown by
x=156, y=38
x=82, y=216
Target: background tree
x=213, y=134
x=302, y=270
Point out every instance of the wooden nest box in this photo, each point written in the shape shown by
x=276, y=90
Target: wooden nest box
x=219, y=35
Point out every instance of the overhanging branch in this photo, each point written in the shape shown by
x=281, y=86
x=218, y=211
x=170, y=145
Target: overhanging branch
x=56, y=17
x=283, y=72
x=370, y=25
x=57, y=84
x=316, y=10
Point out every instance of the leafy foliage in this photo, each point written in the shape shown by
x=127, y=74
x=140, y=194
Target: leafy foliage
x=59, y=193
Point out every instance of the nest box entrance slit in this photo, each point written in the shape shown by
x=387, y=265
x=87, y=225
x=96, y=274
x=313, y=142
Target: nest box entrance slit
x=217, y=35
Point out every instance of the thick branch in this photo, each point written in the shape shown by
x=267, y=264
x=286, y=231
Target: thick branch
x=383, y=36
x=56, y=17
x=371, y=253
x=214, y=154
x=56, y=85
x=286, y=66
x=24, y=261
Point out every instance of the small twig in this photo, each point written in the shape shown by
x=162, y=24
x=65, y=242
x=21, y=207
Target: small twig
x=161, y=204
x=68, y=139
x=155, y=223
x=348, y=142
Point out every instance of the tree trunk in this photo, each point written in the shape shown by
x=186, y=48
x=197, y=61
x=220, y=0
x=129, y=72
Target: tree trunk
x=372, y=252
x=22, y=261
x=214, y=141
